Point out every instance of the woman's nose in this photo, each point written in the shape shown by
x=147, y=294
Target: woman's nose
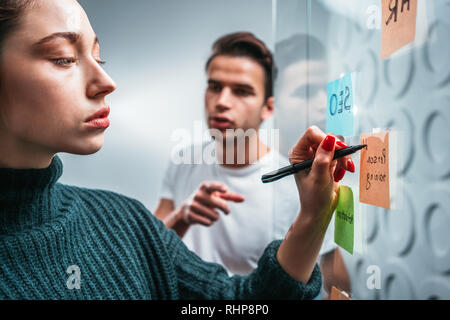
x=100, y=83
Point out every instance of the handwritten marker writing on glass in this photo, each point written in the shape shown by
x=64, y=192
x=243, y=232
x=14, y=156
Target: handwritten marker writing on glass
x=296, y=167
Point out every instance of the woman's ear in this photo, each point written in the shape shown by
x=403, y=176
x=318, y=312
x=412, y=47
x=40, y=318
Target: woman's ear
x=267, y=110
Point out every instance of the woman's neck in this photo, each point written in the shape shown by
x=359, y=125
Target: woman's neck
x=19, y=154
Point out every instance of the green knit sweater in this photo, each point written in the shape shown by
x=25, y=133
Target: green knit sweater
x=65, y=242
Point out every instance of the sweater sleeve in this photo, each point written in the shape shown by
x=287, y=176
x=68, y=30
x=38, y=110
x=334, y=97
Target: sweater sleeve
x=198, y=279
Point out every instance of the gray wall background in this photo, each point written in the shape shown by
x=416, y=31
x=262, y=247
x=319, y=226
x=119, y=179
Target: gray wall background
x=155, y=51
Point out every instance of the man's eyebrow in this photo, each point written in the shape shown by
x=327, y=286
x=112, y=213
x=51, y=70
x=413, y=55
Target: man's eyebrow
x=240, y=85
x=73, y=37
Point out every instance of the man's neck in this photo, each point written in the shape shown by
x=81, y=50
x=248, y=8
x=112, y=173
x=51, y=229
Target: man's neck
x=238, y=154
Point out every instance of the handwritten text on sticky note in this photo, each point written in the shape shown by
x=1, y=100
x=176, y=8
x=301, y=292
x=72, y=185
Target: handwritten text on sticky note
x=344, y=219
x=374, y=171
x=340, y=111
x=399, y=25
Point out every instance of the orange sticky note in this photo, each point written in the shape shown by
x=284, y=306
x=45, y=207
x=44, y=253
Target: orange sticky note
x=336, y=294
x=374, y=171
x=398, y=25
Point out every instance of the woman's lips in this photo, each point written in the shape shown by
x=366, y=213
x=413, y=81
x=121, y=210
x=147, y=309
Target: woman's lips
x=99, y=120
x=100, y=123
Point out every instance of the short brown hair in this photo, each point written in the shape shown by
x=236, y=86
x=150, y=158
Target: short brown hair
x=245, y=44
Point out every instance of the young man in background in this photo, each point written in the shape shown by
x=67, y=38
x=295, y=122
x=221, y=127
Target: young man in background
x=238, y=99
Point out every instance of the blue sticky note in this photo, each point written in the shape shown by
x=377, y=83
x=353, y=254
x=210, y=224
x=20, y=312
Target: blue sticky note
x=340, y=110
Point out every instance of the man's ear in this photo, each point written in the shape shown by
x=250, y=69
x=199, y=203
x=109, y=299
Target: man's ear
x=267, y=111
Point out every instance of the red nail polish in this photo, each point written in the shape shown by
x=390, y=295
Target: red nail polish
x=341, y=144
x=350, y=165
x=339, y=175
x=328, y=143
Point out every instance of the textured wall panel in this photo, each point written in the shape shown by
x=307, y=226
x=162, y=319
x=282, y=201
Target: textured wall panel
x=408, y=94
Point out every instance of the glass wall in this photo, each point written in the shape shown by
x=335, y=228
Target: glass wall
x=404, y=252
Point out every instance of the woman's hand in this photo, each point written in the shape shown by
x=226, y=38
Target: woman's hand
x=318, y=187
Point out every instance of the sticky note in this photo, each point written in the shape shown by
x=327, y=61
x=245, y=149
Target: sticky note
x=398, y=25
x=344, y=219
x=340, y=111
x=374, y=170
x=337, y=294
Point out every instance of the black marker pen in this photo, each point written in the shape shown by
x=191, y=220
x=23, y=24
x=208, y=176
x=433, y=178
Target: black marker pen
x=296, y=167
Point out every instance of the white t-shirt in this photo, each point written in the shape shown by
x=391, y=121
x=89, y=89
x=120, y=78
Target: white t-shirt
x=238, y=239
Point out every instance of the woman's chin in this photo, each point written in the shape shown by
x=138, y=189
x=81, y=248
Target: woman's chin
x=88, y=147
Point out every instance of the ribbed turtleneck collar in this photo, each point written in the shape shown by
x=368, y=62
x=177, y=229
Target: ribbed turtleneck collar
x=27, y=197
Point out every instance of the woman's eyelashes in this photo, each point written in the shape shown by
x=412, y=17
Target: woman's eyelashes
x=67, y=62
x=64, y=61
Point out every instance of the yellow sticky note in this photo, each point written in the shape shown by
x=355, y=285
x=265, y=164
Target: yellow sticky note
x=374, y=170
x=398, y=25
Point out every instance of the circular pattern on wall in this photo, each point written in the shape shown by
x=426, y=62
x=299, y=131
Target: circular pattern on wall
x=399, y=225
x=371, y=222
x=434, y=289
x=396, y=281
x=436, y=223
x=435, y=55
x=436, y=140
x=399, y=74
x=402, y=122
x=367, y=78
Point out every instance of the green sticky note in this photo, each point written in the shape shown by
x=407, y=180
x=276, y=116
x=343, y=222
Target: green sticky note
x=344, y=219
